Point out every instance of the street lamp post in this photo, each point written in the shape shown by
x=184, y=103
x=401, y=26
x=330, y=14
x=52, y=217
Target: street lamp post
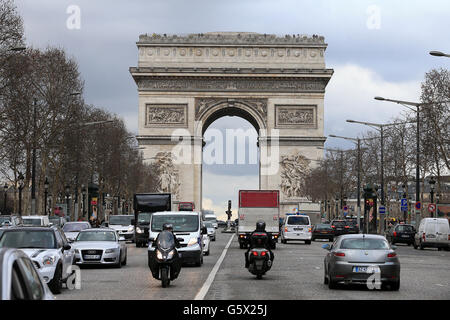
x=5, y=189
x=46, y=184
x=21, y=184
x=67, y=200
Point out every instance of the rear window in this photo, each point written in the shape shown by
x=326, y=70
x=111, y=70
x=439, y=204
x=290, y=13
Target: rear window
x=298, y=220
x=364, y=244
x=323, y=226
x=338, y=223
x=401, y=228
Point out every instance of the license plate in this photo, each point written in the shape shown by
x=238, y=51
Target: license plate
x=373, y=269
x=298, y=229
x=91, y=256
x=360, y=269
x=338, y=228
x=405, y=236
x=324, y=232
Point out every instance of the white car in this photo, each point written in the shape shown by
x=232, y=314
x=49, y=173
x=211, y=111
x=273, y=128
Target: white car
x=206, y=243
x=433, y=232
x=19, y=278
x=71, y=229
x=297, y=227
x=211, y=218
x=100, y=246
x=47, y=247
x=123, y=224
x=36, y=221
x=211, y=230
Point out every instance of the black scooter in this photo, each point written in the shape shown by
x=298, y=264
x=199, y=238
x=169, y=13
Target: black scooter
x=259, y=261
x=165, y=261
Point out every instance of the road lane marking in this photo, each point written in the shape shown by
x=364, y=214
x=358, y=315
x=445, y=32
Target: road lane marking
x=204, y=289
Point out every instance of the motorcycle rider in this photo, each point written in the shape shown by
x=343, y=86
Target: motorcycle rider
x=169, y=227
x=259, y=239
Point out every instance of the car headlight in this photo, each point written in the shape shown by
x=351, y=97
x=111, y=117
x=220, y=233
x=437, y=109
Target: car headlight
x=130, y=229
x=48, y=260
x=139, y=230
x=110, y=250
x=170, y=254
x=192, y=241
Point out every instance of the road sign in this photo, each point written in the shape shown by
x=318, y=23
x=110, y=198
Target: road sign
x=431, y=207
x=418, y=205
x=404, y=204
x=382, y=209
x=345, y=208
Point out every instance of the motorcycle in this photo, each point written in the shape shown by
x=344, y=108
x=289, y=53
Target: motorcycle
x=259, y=259
x=165, y=261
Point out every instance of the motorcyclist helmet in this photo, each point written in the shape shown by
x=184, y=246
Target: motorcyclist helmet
x=168, y=227
x=260, y=226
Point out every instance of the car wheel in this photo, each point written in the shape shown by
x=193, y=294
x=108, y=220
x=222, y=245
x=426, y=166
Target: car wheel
x=119, y=264
x=393, y=242
x=332, y=284
x=214, y=239
x=325, y=278
x=415, y=245
x=313, y=239
x=241, y=245
x=421, y=247
x=55, y=284
x=395, y=286
x=124, y=263
x=307, y=241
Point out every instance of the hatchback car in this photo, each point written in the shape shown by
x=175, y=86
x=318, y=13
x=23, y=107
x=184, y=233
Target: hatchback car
x=100, y=246
x=356, y=257
x=340, y=227
x=322, y=231
x=19, y=279
x=401, y=233
x=211, y=230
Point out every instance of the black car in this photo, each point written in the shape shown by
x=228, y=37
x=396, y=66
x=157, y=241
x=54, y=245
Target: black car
x=339, y=227
x=401, y=233
x=352, y=224
x=322, y=231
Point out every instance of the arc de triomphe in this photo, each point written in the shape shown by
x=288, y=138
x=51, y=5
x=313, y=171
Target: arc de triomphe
x=276, y=83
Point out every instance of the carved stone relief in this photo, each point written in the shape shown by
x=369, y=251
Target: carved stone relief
x=168, y=175
x=168, y=115
x=294, y=168
x=295, y=116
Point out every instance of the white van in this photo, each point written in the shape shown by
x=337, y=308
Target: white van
x=37, y=221
x=211, y=218
x=296, y=227
x=187, y=225
x=433, y=232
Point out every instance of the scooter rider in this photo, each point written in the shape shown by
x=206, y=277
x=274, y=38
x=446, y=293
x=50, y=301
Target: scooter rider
x=169, y=227
x=259, y=239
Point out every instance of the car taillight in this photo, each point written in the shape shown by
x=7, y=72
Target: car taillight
x=263, y=253
x=449, y=237
x=339, y=254
x=285, y=229
x=423, y=236
x=346, y=227
x=333, y=226
x=395, y=233
x=255, y=253
x=309, y=229
x=391, y=255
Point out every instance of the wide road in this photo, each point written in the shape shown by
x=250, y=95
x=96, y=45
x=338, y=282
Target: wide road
x=297, y=273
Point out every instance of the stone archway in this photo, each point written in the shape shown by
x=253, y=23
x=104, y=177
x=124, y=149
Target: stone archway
x=276, y=83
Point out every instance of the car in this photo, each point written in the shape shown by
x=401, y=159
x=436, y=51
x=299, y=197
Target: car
x=35, y=221
x=211, y=230
x=353, y=258
x=352, y=224
x=339, y=227
x=297, y=227
x=221, y=223
x=206, y=244
x=124, y=224
x=19, y=279
x=434, y=233
x=57, y=220
x=401, y=233
x=322, y=231
x=10, y=220
x=71, y=229
x=103, y=246
x=47, y=247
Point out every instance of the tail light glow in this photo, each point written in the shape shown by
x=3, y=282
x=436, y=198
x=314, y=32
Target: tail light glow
x=255, y=253
x=339, y=254
x=263, y=253
x=395, y=233
x=391, y=255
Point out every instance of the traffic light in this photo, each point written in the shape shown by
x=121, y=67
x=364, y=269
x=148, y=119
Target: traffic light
x=229, y=212
x=370, y=209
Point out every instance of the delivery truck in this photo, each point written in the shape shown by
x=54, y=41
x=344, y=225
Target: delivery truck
x=144, y=205
x=257, y=205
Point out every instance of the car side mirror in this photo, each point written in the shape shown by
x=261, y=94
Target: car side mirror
x=326, y=247
x=204, y=230
x=67, y=247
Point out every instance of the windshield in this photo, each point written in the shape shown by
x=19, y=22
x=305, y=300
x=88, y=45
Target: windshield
x=180, y=222
x=166, y=240
x=212, y=219
x=120, y=220
x=29, y=239
x=75, y=227
x=144, y=218
x=32, y=221
x=96, y=236
x=338, y=223
x=365, y=244
x=404, y=228
x=3, y=219
x=208, y=225
x=298, y=221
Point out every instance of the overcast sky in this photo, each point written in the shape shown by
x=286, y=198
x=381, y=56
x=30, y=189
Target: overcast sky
x=375, y=48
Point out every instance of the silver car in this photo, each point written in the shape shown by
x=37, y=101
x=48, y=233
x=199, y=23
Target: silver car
x=71, y=229
x=211, y=230
x=19, y=279
x=359, y=258
x=100, y=246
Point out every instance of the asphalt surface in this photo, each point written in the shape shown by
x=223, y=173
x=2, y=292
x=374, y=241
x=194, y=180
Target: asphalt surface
x=297, y=274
